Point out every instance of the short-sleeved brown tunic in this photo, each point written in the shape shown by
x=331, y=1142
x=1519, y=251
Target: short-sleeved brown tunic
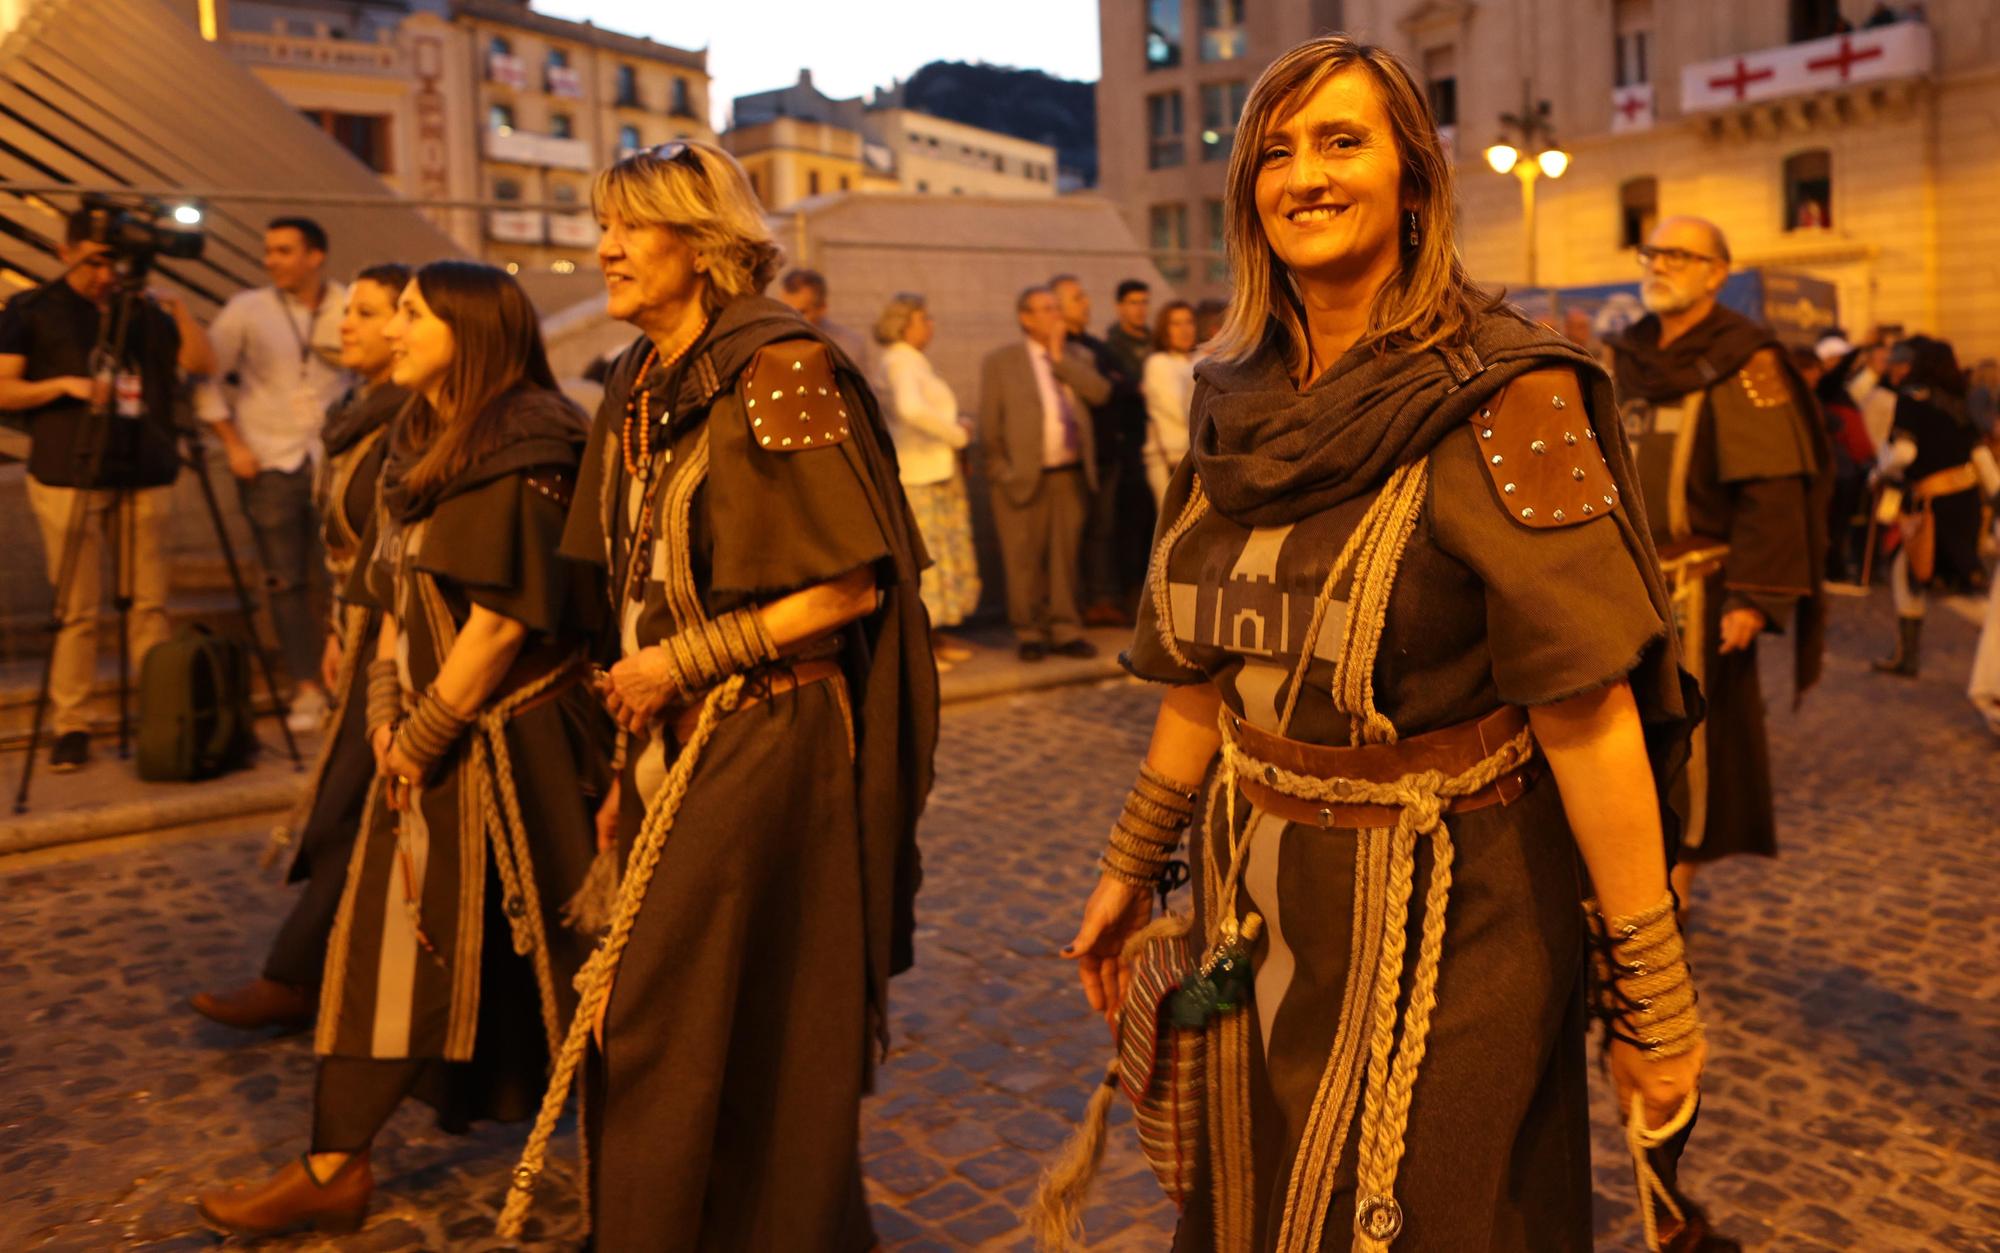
x=1486, y=610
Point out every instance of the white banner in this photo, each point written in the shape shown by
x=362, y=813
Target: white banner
x=1903, y=50
x=1632, y=108
x=514, y=226
x=573, y=230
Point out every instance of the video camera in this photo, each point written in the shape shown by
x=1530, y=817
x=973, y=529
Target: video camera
x=140, y=230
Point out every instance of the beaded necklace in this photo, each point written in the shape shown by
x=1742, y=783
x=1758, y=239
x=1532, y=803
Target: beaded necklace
x=640, y=406
x=640, y=466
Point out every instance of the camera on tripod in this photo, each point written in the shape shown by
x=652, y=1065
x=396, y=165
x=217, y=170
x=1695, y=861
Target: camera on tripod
x=138, y=231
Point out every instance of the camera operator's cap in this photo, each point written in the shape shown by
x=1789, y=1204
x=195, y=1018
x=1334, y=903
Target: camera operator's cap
x=1832, y=348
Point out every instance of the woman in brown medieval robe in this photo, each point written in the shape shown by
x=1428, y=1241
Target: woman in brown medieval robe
x=773, y=675
x=449, y=975
x=1421, y=693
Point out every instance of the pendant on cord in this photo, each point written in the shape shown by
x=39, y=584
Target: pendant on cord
x=1221, y=985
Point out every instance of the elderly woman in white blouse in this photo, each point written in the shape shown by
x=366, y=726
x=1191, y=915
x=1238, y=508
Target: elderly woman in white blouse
x=923, y=420
x=1168, y=387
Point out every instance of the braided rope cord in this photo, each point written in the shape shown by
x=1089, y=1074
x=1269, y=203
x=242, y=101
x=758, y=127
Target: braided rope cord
x=1639, y=1139
x=1156, y=574
x=595, y=979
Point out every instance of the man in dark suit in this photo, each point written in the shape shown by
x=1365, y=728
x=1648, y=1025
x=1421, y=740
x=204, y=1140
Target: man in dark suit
x=1034, y=420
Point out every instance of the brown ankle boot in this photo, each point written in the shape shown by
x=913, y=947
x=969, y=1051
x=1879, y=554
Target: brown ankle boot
x=258, y=1004
x=291, y=1199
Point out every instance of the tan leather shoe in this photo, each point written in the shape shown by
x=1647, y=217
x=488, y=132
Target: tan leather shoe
x=258, y=1004
x=292, y=1199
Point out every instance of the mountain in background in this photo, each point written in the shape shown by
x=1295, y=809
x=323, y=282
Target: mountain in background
x=1027, y=104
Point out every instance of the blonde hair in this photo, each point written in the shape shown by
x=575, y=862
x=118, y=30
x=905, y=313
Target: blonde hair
x=896, y=316
x=1429, y=301
x=702, y=194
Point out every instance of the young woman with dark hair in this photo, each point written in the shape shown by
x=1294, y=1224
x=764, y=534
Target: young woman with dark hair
x=449, y=973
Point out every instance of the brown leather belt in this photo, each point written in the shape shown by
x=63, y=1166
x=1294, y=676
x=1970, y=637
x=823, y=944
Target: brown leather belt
x=762, y=688
x=1450, y=751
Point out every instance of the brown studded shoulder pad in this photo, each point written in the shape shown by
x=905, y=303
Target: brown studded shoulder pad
x=791, y=398
x=1762, y=379
x=1540, y=448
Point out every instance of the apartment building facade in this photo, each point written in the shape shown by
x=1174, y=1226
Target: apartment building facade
x=1859, y=155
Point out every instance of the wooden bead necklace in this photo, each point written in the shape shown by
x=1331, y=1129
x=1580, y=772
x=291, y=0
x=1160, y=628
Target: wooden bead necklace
x=640, y=405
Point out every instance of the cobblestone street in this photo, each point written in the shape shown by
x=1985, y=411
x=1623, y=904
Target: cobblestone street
x=1853, y=1100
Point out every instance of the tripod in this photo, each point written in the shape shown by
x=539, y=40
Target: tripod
x=106, y=359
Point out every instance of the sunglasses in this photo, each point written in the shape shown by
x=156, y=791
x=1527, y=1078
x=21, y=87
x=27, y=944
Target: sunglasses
x=678, y=152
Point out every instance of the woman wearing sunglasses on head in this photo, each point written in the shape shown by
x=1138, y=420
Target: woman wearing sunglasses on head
x=771, y=670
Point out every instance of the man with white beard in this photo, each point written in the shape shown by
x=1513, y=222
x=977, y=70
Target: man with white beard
x=1733, y=461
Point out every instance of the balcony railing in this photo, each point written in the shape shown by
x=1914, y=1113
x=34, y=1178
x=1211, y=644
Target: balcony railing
x=1878, y=54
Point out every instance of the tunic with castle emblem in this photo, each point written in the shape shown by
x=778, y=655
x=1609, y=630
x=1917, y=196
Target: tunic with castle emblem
x=1523, y=583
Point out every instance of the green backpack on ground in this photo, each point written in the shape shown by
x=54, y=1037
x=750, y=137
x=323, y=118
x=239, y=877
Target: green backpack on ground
x=194, y=707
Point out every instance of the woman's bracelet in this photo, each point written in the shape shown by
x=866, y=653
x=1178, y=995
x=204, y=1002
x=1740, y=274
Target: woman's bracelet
x=1642, y=982
x=385, y=695
x=431, y=729
x=710, y=651
x=1141, y=843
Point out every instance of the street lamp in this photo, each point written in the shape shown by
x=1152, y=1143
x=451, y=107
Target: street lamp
x=1537, y=135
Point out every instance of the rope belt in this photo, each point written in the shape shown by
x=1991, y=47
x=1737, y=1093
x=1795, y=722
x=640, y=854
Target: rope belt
x=1445, y=773
x=1450, y=751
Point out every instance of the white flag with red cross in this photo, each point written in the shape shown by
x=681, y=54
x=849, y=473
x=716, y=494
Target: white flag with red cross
x=1903, y=50
x=1632, y=108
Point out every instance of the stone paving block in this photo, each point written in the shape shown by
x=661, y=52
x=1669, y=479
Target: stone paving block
x=953, y=1197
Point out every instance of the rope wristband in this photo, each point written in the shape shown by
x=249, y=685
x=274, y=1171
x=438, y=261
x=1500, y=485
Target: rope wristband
x=385, y=695
x=431, y=729
x=1141, y=843
x=1643, y=990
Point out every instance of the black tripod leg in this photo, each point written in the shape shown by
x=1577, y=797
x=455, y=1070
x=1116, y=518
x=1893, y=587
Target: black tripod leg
x=65, y=574
x=122, y=521
x=195, y=461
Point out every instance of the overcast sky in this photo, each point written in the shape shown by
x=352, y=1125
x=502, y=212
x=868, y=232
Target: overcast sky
x=851, y=45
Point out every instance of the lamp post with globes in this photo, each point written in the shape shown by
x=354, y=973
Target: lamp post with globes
x=1535, y=154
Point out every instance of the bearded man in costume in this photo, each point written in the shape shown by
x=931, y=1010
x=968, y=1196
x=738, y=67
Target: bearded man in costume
x=1733, y=464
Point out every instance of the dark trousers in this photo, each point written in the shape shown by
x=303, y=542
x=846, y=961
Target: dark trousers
x=354, y=1096
x=298, y=954
x=285, y=527
x=1118, y=530
x=1039, y=543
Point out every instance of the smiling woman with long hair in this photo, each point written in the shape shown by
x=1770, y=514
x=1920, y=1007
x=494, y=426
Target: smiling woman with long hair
x=449, y=972
x=1419, y=675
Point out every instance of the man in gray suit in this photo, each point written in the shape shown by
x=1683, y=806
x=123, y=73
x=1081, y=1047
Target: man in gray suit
x=1034, y=420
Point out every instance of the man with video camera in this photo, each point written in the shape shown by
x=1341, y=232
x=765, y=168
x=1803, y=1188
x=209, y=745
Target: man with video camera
x=48, y=339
